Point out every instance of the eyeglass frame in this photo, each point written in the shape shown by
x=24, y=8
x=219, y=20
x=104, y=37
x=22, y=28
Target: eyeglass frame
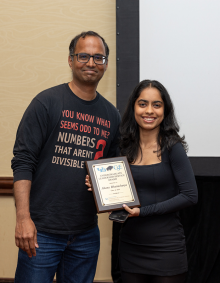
x=103, y=57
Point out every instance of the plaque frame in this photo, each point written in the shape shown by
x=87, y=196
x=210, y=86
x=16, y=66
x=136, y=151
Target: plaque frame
x=95, y=187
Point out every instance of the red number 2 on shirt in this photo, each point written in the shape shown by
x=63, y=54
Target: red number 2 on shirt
x=99, y=154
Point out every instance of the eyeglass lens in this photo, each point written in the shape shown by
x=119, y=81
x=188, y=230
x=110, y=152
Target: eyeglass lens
x=84, y=58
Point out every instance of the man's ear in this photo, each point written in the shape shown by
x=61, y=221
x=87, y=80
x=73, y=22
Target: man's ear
x=70, y=61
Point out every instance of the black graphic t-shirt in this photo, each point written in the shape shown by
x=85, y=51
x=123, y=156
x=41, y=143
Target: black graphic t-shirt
x=57, y=134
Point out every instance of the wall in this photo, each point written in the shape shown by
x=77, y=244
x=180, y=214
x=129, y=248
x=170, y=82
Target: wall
x=34, y=40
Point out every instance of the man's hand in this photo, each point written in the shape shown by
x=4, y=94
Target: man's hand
x=26, y=236
x=133, y=212
x=25, y=231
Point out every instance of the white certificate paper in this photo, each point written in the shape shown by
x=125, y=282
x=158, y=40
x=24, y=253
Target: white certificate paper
x=113, y=183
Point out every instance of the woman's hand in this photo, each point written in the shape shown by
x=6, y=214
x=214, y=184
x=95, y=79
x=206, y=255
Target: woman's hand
x=133, y=212
x=87, y=183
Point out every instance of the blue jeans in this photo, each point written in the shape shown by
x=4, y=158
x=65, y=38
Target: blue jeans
x=74, y=258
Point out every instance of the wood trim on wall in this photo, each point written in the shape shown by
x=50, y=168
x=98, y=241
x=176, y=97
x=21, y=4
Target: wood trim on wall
x=6, y=188
x=11, y=280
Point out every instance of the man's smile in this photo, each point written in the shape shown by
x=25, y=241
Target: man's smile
x=90, y=71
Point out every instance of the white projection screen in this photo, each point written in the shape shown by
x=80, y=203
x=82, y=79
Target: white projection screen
x=180, y=47
x=176, y=42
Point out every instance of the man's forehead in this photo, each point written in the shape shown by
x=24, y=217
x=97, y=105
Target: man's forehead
x=90, y=42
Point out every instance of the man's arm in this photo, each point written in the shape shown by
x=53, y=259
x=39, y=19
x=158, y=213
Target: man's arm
x=25, y=231
x=31, y=136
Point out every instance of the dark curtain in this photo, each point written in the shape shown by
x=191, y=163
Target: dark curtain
x=202, y=230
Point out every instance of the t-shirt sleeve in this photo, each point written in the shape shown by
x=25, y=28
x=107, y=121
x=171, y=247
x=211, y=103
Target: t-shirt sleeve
x=30, y=138
x=183, y=173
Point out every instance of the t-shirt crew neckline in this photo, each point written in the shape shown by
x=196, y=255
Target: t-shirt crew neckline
x=85, y=102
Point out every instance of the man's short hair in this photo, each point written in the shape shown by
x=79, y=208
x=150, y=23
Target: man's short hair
x=74, y=41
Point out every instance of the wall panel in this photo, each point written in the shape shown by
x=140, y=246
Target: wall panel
x=34, y=40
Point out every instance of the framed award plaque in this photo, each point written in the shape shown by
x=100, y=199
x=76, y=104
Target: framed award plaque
x=112, y=184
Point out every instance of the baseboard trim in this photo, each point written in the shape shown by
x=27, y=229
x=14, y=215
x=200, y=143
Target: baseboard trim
x=8, y=280
x=6, y=186
x=11, y=280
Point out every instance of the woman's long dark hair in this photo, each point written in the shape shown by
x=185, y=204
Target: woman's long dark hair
x=129, y=129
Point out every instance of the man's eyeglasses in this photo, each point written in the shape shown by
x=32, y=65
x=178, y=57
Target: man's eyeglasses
x=84, y=58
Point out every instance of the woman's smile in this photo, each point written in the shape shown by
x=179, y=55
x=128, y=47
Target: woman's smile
x=149, y=119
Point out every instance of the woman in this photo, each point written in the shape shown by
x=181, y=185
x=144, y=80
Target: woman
x=152, y=243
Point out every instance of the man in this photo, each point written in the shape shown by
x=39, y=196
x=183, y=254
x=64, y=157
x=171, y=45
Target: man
x=56, y=226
